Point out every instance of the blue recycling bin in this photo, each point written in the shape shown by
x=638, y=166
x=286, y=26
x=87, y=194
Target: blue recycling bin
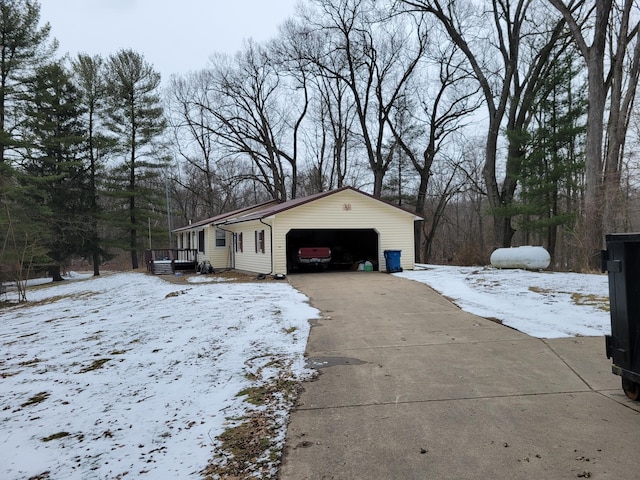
x=392, y=259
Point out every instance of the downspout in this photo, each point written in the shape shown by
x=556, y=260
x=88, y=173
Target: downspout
x=271, y=243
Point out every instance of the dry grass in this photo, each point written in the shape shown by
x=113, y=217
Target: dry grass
x=247, y=449
x=95, y=365
x=55, y=436
x=36, y=399
x=599, y=302
x=229, y=276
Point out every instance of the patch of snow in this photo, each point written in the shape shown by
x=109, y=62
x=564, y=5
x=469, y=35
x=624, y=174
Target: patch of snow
x=540, y=304
x=207, y=279
x=126, y=374
x=33, y=282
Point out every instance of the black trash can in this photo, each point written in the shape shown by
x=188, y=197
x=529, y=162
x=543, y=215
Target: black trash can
x=621, y=260
x=392, y=259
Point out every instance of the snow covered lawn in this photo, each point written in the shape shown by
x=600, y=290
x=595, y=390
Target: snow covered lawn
x=540, y=304
x=129, y=376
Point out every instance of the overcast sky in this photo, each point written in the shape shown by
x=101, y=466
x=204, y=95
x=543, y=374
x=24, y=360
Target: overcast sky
x=176, y=36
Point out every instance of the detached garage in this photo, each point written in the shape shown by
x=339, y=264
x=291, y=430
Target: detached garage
x=341, y=229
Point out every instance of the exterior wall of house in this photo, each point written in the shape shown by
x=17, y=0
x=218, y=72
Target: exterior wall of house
x=219, y=257
x=348, y=210
x=248, y=259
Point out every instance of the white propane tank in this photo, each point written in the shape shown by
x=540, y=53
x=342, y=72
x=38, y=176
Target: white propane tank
x=527, y=257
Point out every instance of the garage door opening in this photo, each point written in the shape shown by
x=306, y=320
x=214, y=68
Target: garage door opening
x=349, y=248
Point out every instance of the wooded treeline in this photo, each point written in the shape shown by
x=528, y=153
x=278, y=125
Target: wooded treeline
x=502, y=122
x=81, y=158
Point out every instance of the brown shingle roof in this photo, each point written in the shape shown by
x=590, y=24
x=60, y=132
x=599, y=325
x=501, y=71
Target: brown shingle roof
x=220, y=218
x=274, y=209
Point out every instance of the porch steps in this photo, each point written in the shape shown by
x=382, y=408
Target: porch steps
x=163, y=268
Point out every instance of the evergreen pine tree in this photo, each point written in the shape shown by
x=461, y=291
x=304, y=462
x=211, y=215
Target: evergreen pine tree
x=549, y=171
x=53, y=173
x=88, y=77
x=22, y=48
x=136, y=119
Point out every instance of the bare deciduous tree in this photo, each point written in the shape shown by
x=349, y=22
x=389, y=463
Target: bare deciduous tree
x=253, y=116
x=443, y=110
x=191, y=123
x=376, y=56
x=612, y=29
x=508, y=60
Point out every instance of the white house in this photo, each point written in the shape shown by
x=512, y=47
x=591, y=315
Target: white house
x=265, y=238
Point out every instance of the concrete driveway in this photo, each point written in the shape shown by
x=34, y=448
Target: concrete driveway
x=411, y=387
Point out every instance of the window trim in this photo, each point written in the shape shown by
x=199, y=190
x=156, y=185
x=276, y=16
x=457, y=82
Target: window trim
x=221, y=235
x=237, y=237
x=260, y=241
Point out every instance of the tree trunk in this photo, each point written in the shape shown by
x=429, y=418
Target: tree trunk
x=418, y=227
x=54, y=272
x=378, y=178
x=96, y=263
x=134, y=251
x=133, y=232
x=502, y=231
x=592, y=218
x=95, y=253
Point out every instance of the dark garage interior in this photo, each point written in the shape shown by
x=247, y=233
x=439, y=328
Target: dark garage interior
x=349, y=247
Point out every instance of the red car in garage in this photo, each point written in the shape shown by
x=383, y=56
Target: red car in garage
x=314, y=256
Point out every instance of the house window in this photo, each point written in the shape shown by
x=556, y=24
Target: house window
x=237, y=237
x=201, y=241
x=221, y=238
x=259, y=241
x=188, y=239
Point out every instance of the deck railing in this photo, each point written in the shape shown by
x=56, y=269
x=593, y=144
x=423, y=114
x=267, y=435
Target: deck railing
x=168, y=260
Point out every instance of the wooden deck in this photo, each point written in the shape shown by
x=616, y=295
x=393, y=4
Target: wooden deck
x=167, y=261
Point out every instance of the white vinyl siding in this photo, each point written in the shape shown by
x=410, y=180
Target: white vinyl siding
x=220, y=256
x=348, y=210
x=248, y=260
x=205, y=240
